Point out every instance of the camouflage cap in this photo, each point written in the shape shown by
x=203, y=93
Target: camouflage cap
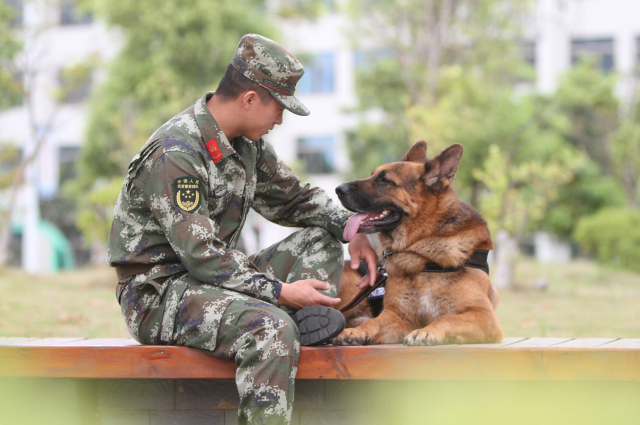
x=267, y=63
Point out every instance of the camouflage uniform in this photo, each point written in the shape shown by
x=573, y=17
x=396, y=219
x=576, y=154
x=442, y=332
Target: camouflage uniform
x=176, y=224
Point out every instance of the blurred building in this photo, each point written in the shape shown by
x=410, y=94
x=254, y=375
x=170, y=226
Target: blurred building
x=565, y=30
x=61, y=38
x=63, y=46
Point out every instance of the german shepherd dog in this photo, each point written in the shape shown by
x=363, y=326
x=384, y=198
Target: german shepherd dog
x=420, y=221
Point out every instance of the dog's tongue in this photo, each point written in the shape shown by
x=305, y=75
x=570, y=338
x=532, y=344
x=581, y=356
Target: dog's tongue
x=352, y=226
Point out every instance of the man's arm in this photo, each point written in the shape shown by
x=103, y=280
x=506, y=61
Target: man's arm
x=281, y=198
x=190, y=231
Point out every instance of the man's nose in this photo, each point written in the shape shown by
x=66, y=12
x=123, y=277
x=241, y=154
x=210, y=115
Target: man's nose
x=342, y=189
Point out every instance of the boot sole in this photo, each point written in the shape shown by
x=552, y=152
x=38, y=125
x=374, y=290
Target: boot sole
x=318, y=324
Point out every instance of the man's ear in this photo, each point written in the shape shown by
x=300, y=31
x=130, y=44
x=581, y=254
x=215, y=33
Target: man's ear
x=248, y=98
x=440, y=171
x=417, y=153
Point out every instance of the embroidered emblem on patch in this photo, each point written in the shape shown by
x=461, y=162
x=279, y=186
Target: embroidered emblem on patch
x=214, y=150
x=187, y=192
x=220, y=191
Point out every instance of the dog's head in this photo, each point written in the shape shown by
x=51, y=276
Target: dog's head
x=400, y=192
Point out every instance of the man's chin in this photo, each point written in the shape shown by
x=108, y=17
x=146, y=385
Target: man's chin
x=253, y=138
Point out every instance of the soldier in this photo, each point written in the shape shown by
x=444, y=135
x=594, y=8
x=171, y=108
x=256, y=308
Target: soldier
x=178, y=218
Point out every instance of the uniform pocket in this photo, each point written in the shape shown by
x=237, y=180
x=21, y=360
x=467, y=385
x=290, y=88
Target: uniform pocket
x=219, y=203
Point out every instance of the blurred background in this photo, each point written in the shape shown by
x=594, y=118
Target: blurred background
x=543, y=94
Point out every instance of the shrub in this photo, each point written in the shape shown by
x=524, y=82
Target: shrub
x=613, y=236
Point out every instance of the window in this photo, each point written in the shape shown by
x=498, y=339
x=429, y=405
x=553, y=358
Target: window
x=69, y=14
x=528, y=49
x=317, y=154
x=67, y=157
x=16, y=7
x=599, y=49
x=318, y=75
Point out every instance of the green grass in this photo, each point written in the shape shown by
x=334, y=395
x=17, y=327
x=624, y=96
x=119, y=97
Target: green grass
x=76, y=304
x=582, y=300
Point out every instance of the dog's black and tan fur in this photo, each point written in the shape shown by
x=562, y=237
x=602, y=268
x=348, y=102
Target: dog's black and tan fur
x=419, y=217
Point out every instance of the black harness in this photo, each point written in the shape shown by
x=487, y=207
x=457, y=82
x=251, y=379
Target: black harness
x=375, y=293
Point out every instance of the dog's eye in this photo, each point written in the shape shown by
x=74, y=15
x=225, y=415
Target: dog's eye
x=383, y=179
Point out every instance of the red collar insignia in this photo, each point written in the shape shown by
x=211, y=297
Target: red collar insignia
x=214, y=150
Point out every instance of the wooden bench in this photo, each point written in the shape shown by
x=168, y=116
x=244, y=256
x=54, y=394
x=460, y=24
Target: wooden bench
x=116, y=371
x=514, y=359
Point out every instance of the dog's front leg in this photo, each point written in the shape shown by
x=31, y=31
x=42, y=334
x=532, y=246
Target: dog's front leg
x=471, y=327
x=388, y=328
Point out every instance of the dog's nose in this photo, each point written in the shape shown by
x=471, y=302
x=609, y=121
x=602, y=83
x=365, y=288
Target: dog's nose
x=342, y=189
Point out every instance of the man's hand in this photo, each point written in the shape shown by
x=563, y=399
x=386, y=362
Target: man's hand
x=360, y=248
x=303, y=293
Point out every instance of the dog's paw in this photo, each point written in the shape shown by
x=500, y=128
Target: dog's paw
x=352, y=336
x=424, y=337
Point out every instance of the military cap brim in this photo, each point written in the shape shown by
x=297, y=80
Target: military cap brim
x=289, y=101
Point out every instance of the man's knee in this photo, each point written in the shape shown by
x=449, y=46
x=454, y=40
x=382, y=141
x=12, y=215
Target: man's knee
x=279, y=335
x=274, y=332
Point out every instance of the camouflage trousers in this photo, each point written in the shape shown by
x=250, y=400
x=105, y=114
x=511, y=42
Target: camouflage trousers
x=260, y=337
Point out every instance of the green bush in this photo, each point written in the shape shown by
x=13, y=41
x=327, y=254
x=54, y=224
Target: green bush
x=613, y=236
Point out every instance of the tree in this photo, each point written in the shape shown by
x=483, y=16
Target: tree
x=586, y=98
x=10, y=95
x=420, y=56
x=172, y=53
x=625, y=153
x=10, y=47
x=23, y=60
x=518, y=194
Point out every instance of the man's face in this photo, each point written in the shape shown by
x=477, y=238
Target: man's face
x=262, y=117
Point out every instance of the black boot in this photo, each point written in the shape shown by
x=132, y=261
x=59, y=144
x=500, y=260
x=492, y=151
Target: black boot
x=318, y=324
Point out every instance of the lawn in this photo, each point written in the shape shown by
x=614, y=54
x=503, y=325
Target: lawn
x=71, y=304
x=582, y=300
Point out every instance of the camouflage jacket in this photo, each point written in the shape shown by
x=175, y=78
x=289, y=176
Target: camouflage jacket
x=186, y=197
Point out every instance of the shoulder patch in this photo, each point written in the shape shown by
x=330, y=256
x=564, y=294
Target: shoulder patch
x=188, y=193
x=214, y=150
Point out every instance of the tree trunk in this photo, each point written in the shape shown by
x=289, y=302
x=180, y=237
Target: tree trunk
x=506, y=256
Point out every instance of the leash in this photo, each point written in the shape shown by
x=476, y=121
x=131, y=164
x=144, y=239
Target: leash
x=478, y=260
x=364, y=293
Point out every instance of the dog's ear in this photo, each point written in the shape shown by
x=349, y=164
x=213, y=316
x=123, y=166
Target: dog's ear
x=439, y=171
x=417, y=153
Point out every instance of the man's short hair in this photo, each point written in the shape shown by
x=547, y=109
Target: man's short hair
x=233, y=84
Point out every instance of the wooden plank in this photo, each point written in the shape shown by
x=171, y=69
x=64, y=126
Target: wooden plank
x=142, y=361
x=15, y=340
x=103, y=342
x=629, y=343
x=465, y=362
x=504, y=343
x=585, y=343
x=538, y=342
x=49, y=342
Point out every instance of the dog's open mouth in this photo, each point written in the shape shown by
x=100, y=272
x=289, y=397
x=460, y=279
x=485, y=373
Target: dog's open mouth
x=371, y=222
